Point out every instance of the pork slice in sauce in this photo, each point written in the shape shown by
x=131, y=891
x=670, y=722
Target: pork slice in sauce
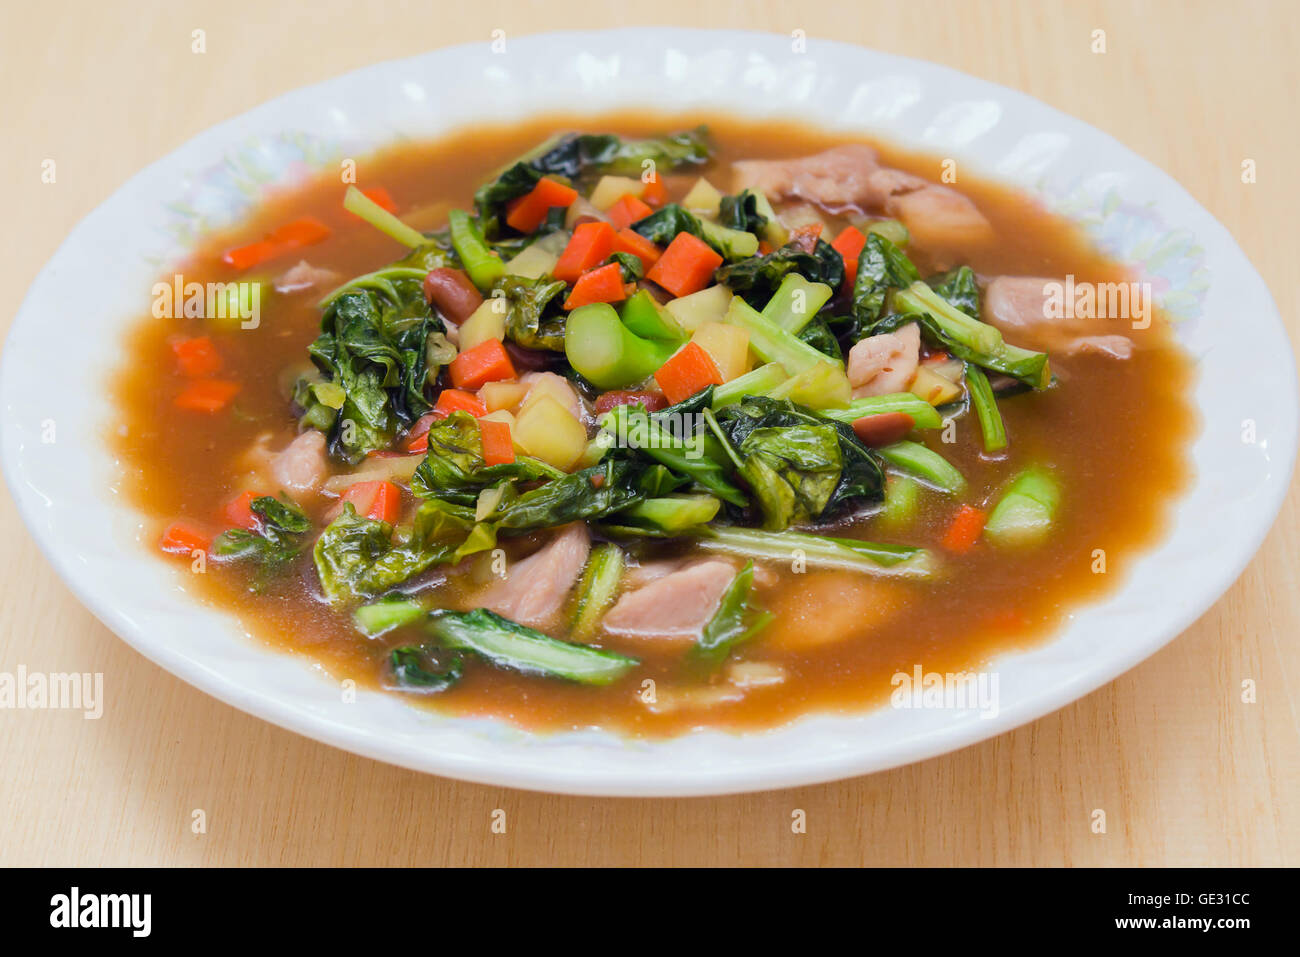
x=879, y=365
x=1019, y=307
x=303, y=464
x=306, y=276
x=939, y=216
x=837, y=178
x=535, y=588
x=829, y=606
x=676, y=605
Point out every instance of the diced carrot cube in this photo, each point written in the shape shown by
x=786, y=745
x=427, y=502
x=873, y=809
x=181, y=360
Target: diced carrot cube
x=182, y=538
x=239, y=511
x=377, y=500
x=455, y=400
x=656, y=190
x=686, y=266
x=590, y=246
x=198, y=358
x=689, y=370
x=486, y=362
x=626, y=211
x=207, y=395
x=528, y=212
x=604, y=284
x=498, y=444
x=630, y=241
x=849, y=244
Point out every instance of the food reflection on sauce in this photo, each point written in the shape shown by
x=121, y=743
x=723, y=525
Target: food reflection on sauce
x=1114, y=431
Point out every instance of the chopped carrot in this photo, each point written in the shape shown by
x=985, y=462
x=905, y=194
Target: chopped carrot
x=964, y=529
x=590, y=246
x=764, y=247
x=498, y=444
x=239, y=511
x=456, y=400
x=207, y=395
x=300, y=232
x=627, y=211
x=486, y=362
x=380, y=197
x=528, y=212
x=182, y=538
x=686, y=372
x=630, y=241
x=198, y=358
x=655, y=191
x=849, y=245
x=598, y=285
x=254, y=254
x=380, y=501
x=686, y=266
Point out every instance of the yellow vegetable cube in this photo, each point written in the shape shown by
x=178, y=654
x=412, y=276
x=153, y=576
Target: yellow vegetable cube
x=545, y=430
x=502, y=395
x=488, y=321
x=728, y=346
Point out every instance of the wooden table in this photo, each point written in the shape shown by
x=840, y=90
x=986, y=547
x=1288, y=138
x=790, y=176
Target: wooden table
x=1186, y=772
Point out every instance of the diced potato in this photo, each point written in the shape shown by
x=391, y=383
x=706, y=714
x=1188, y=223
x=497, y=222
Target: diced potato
x=802, y=214
x=934, y=388
x=545, y=430
x=533, y=262
x=706, y=305
x=704, y=197
x=580, y=208
x=502, y=395
x=500, y=415
x=488, y=321
x=728, y=346
x=611, y=189
x=555, y=386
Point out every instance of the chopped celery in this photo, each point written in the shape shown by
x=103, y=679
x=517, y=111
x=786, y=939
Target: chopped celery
x=992, y=429
x=820, y=386
x=924, y=463
x=607, y=353
x=734, y=244
x=773, y=231
x=1024, y=514
x=770, y=342
x=902, y=496
x=820, y=551
x=643, y=316
x=357, y=202
x=483, y=266
x=515, y=646
x=920, y=299
x=597, y=589
x=796, y=301
x=759, y=381
x=670, y=514
x=891, y=229
x=923, y=413
x=386, y=614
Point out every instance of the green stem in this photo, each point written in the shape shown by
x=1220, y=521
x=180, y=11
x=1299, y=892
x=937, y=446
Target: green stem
x=992, y=428
x=925, y=463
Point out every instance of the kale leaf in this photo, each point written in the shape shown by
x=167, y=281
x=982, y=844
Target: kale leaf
x=530, y=320
x=453, y=468
x=758, y=277
x=959, y=287
x=741, y=212
x=275, y=542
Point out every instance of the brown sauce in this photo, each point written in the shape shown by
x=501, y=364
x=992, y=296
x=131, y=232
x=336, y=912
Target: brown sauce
x=1116, y=432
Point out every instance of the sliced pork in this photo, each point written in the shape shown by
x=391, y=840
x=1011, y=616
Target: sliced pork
x=1019, y=307
x=536, y=587
x=840, y=178
x=677, y=605
x=937, y=216
x=879, y=365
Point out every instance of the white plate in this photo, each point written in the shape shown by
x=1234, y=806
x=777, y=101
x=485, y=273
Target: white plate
x=68, y=334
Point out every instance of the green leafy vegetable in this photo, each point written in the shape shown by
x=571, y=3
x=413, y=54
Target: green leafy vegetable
x=533, y=318
x=277, y=541
x=818, y=551
x=515, y=646
x=736, y=620
x=925, y=463
x=388, y=614
x=410, y=672
x=799, y=466
x=453, y=468
x=596, y=589
x=662, y=227
x=992, y=429
x=758, y=277
x=959, y=287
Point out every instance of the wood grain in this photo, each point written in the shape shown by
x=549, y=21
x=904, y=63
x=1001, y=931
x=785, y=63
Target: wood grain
x=1186, y=772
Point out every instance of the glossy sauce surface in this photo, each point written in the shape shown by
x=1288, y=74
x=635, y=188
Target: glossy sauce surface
x=1115, y=433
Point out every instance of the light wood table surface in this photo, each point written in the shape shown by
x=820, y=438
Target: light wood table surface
x=1186, y=772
